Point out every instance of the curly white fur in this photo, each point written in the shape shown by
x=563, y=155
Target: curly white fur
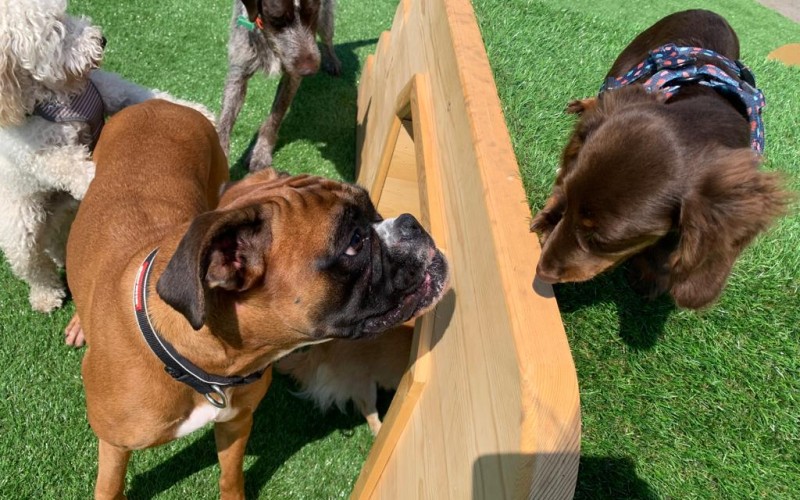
x=47, y=55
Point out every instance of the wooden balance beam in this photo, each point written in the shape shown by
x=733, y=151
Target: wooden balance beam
x=489, y=407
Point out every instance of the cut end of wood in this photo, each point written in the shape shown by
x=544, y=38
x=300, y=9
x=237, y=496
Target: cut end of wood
x=788, y=54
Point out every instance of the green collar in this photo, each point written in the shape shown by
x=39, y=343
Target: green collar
x=245, y=22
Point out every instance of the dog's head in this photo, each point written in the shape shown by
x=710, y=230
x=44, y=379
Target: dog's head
x=290, y=28
x=45, y=54
x=612, y=197
x=302, y=259
x=627, y=181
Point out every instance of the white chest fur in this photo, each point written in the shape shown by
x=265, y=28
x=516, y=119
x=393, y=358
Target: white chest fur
x=203, y=415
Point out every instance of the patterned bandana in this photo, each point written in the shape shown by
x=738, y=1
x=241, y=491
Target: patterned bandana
x=669, y=67
x=86, y=107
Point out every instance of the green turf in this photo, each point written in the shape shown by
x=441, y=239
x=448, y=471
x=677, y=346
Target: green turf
x=675, y=404
x=47, y=449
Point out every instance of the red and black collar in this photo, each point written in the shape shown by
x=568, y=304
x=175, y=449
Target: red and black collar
x=177, y=366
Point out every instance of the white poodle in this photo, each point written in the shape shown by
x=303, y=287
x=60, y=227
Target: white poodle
x=53, y=101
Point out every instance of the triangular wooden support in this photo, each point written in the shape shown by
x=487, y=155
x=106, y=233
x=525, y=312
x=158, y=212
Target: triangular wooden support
x=489, y=407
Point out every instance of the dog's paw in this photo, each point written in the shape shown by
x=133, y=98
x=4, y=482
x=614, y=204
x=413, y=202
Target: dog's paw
x=80, y=183
x=46, y=299
x=332, y=66
x=543, y=224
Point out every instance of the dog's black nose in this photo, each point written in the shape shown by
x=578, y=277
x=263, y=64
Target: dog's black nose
x=408, y=227
x=103, y=41
x=548, y=276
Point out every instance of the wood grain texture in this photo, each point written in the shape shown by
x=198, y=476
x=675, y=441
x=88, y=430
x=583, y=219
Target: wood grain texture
x=787, y=54
x=497, y=414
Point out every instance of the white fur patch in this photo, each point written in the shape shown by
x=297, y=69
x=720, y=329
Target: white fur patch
x=287, y=351
x=386, y=232
x=203, y=415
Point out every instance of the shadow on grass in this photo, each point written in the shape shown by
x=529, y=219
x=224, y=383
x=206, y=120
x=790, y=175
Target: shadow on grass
x=323, y=113
x=283, y=424
x=612, y=478
x=641, y=321
x=598, y=477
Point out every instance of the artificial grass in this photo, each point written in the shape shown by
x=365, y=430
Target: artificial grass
x=47, y=449
x=675, y=404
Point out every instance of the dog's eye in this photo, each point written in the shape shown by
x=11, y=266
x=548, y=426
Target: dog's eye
x=356, y=243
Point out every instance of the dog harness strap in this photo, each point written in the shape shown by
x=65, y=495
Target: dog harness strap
x=669, y=67
x=177, y=366
x=85, y=107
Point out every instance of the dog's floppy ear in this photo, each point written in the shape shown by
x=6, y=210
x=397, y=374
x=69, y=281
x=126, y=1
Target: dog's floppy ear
x=220, y=250
x=726, y=208
x=12, y=102
x=252, y=9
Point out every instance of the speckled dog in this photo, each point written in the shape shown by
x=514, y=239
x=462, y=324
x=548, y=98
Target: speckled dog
x=274, y=36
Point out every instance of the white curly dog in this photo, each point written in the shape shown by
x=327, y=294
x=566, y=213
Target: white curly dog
x=53, y=101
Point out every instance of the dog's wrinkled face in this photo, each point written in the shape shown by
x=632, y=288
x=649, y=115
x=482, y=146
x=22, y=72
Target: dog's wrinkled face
x=290, y=27
x=612, y=198
x=312, y=253
x=49, y=55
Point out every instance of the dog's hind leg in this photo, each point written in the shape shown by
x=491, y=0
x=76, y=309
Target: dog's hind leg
x=261, y=157
x=367, y=404
x=111, y=467
x=61, y=212
x=232, y=100
x=330, y=62
x=21, y=241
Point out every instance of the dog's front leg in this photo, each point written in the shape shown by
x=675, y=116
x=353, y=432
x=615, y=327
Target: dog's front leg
x=112, y=465
x=232, y=100
x=231, y=438
x=261, y=156
x=330, y=62
x=68, y=168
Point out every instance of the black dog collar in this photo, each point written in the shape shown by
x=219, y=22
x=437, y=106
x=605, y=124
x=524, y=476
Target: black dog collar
x=180, y=368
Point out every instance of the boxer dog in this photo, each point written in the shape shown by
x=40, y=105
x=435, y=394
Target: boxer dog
x=185, y=306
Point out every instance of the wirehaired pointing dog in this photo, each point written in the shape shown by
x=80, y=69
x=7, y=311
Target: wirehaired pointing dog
x=662, y=167
x=185, y=303
x=274, y=36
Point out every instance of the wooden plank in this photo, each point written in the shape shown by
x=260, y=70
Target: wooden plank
x=787, y=54
x=498, y=413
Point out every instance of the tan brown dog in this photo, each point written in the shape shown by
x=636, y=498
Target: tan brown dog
x=185, y=306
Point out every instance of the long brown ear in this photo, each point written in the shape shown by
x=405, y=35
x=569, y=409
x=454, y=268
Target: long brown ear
x=729, y=205
x=220, y=250
x=12, y=99
x=252, y=9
